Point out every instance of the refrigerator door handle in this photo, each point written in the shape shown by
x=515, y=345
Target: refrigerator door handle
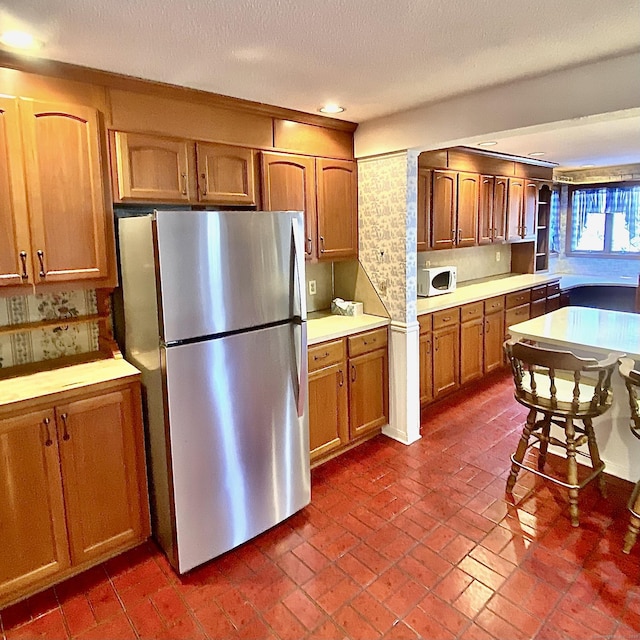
x=302, y=377
x=298, y=290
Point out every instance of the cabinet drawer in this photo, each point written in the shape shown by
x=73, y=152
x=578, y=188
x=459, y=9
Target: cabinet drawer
x=425, y=323
x=518, y=298
x=471, y=311
x=553, y=288
x=517, y=314
x=553, y=303
x=539, y=293
x=446, y=318
x=364, y=342
x=538, y=307
x=494, y=304
x=325, y=354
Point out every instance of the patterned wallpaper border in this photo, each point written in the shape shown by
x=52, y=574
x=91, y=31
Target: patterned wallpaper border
x=47, y=343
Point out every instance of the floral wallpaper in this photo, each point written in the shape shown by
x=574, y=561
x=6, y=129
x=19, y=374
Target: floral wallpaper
x=46, y=343
x=387, y=210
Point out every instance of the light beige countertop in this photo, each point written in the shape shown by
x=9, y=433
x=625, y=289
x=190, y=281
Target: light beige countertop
x=570, y=281
x=322, y=325
x=49, y=383
x=482, y=290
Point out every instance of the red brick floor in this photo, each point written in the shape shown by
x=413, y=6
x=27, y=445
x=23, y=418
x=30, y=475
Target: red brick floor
x=399, y=542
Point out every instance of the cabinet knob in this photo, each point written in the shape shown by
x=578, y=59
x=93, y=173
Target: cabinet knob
x=184, y=184
x=309, y=246
x=23, y=260
x=48, y=441
x=353, y=373
x=340, y=378
x=321, y=244
x=40, y=254
x=65, y=433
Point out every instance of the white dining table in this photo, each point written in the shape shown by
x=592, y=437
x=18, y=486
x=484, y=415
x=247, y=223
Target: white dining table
x=596, y=333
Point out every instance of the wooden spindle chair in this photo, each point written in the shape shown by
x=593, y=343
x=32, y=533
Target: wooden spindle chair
x=631, y=377
x=559, y=388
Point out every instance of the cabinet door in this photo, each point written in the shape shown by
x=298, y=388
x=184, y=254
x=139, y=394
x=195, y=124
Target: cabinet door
x=443, y=209
x=493, y=339
x=446, y=360
x=153, y=169
x=368, y=392
x=485, y=210
x=15, y=265
x=471, y=350
x=530, y=209
x=424, y=209
x=225, y=174
x=426, y=368
x=32, y=524
x=70, y=220
x=289, y=184
x=500, y=201
x=328, y=419
x=336, y=188
x=467, y=209
x=515, y=208
x=99, y=452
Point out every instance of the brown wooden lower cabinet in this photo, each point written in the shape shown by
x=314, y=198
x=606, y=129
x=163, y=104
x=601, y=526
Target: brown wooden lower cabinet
x=471, y=342
x=426, y=367
x=348, y=392
x=493, y=340
x=446, y=360
x=72, y=487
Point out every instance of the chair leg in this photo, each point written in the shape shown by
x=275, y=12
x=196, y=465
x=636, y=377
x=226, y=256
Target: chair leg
x=596, y=461
x=572, y=471
x=518, y=456
x=634, y=521
x=544, y=443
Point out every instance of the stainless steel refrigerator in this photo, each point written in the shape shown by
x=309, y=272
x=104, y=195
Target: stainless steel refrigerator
x=215, y=318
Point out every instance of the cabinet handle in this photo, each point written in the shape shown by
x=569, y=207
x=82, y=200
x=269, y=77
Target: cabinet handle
x=459, y=235
x=65, y=430
x=487, y=326
x=435, y=344
x=428, y=346
x=340, y=377
x=446, y=319
x=524, y=230
x=353, y=373
x=321, y=244
x=310, y=245
x=371, y=342
x=23, y=260
x=40, y=254
x=184, y=184
x=203, y=189
x=48, y=442
x=322, y=357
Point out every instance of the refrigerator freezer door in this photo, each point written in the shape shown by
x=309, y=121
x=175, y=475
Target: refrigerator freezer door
x=240, y=452
x=227, y=270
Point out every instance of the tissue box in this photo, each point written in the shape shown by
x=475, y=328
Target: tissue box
x=346, y=307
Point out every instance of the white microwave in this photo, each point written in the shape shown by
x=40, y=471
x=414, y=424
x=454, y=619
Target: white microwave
x=434, y=281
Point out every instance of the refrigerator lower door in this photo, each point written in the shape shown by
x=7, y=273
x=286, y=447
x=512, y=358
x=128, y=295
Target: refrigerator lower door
x=239, y=448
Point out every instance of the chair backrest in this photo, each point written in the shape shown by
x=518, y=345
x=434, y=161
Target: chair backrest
x=631, y=377
x=538, y=372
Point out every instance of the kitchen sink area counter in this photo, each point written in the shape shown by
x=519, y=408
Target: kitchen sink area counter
x=477, y=291
x=323, y=325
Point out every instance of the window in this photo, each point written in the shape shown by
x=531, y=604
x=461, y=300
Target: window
x=604, y=220
x=554, y=222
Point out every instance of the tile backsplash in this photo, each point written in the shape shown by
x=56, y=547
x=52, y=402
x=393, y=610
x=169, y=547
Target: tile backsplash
x=472, y=262
x=46, y=343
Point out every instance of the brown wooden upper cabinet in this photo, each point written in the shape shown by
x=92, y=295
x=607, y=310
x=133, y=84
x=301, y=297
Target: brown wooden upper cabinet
x=156, y=169
x=326, y=190
x=454, y=211
x=58, y=216
x=492, y=214
x=523, y=205
x=423, y=231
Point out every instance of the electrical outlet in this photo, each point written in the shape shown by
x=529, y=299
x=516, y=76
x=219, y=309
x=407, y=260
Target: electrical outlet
x=382, y=286
x=497, y=256
x=312, y=288
x=427, y=264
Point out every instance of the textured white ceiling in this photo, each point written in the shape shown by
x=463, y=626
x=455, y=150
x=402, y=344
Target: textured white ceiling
x=375, y=57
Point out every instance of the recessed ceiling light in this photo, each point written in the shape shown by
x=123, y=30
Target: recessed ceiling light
x=20, y=40
x=487, y=143
x=538, y=154
x=331, y=108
